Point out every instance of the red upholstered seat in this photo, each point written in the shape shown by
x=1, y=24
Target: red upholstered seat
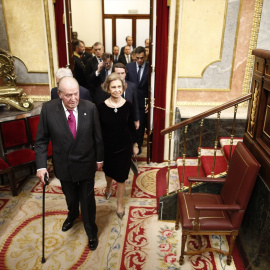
x=3, y=165
x=209, y=220
x=6, y=169
x=16, y=147
x=19, y=157
x=33, y=125
x=211, y=214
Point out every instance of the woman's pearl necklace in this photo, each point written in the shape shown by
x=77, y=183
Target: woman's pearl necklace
x=115, y=106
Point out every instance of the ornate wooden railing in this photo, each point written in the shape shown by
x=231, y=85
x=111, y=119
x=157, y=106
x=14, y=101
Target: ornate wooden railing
x=200, y=117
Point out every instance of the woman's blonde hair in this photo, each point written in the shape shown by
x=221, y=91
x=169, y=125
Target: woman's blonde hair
x=113, y=77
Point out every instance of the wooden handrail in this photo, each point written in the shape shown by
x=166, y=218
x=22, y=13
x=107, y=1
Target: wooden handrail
x=206, y=114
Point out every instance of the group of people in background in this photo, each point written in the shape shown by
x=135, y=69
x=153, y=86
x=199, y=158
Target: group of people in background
x=91, y=70
x=99, y=135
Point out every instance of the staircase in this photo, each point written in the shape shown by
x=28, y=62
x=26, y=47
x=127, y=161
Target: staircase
x=210, y=162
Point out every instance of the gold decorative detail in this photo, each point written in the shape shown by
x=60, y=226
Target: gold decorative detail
x=266, y=116
x=39, y=98
x=252, y=45
x=49, y=41
x=252, y=118
x=10, y=94
x=169, y=162
x=184, y=159
x=200, y=147
x=216, y=143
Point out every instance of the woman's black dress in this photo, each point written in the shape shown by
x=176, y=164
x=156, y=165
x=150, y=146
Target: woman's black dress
x=119, y=134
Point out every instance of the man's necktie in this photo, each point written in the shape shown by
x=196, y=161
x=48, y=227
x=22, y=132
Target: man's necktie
x=106, y=73
x=72, y=123
x=139, y=73
x=128, y=59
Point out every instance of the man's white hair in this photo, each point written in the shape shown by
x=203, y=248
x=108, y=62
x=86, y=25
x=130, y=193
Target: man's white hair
x=63, y=72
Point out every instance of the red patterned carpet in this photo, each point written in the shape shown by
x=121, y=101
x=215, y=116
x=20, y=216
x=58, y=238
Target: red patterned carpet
x=139, y=241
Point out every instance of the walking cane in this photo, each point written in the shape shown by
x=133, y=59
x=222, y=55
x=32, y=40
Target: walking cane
x=46, y=182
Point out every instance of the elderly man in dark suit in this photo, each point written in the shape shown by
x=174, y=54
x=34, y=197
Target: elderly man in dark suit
x=66, y=72
x=130, y=93
x=73, y=126
x=137, y=72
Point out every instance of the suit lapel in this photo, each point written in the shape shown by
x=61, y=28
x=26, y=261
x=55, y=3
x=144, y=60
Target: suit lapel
x=80, y=118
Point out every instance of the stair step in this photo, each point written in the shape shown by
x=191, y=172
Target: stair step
x=191, y=168
x=225, y=144
x=207, y=158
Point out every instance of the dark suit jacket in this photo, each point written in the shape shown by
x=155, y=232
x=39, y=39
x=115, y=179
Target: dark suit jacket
x=131, y=96
x=89, y=72
x=73, y=159
x=84, y=93
x=79, y=71
x=115, y=61
x=122, y=49
x=85, y=57
x=97, y=93
x=122, y=59
x=143, y=85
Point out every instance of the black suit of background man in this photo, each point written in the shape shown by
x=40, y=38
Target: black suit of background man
x=142, y=86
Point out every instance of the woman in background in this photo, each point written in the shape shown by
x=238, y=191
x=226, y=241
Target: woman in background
x=119, y=137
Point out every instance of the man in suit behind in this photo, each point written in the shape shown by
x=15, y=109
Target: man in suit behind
x=126, y=57
x=115, y=54
x=92, y=65
x=85, y=55
x=129, y=41
x=130, y=93
x=66, y=72
x=74, y=129
x=99, y=75
x=137, y=72
x=78, y=63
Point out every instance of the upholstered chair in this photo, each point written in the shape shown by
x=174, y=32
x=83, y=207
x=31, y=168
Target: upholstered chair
x=213, y=214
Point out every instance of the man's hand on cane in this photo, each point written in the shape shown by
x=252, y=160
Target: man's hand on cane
x=40, y=174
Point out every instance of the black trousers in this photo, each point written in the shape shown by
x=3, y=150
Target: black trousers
x=83, y=193
x=143, y=125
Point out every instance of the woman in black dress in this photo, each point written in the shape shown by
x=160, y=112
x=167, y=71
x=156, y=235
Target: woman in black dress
x=119, y=137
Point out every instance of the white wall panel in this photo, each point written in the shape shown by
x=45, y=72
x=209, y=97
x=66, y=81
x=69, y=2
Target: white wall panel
x=142, y=31
x=108, y=37
x=123, y=29
x=124, y=6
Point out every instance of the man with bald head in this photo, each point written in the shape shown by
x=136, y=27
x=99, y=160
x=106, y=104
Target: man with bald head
x=73, y=126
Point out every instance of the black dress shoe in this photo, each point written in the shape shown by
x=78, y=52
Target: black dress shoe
x=67, y=225
x=93, y=243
